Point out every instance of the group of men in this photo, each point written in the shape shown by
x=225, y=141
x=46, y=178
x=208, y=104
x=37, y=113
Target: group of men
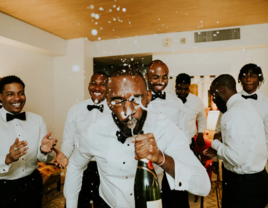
x=125, y=121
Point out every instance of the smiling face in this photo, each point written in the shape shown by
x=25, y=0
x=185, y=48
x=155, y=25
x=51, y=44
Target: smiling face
x=97, y=87
x=157, y=77
x=250, y=82
x=125, y=96
x=13, y=98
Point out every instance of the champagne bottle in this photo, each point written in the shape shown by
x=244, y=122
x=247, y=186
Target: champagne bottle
x=146, y=187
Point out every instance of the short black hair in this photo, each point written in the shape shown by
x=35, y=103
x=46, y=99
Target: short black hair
x=183, y=79
x=226, y=80
x=9, y=80
x=252, y=69
x=101, y=73
x=128, y=71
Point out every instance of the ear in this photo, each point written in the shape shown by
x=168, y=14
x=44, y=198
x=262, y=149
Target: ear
x=149, y=96
x=221, y=89
x=146, y=77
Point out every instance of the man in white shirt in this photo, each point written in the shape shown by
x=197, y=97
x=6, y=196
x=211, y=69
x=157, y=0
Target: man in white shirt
x=194, y=108
x=171, y=107
x=242, y=147
x=109, y=141
x=24, y=140
x=251, y=79
x=79, y=117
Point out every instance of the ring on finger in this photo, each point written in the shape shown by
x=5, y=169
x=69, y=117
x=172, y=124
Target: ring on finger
x=15, y=149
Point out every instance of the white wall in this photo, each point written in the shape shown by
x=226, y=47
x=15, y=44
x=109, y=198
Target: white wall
x=37, y=72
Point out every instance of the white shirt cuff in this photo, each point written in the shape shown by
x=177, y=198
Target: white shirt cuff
x=216, y=144
x=183, y=175
x=71, y=203
x=4, y=168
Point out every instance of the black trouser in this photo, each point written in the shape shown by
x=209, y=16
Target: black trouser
x=90, y=187
x=173, y=198
x=22, y=193
x=244, y=190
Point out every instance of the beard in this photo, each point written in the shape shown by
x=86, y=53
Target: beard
x=220, y=104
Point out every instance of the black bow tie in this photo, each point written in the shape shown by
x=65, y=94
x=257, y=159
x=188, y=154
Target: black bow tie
x=21, y=116
x=254, y=96
x=99, y=107
x=159, y=95
x=123, y=136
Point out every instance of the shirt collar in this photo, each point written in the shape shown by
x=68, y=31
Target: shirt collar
x=232, y=99
x=243, y=92
x=92, y=103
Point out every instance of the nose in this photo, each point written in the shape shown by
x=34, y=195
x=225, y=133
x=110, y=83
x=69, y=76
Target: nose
x=129, y=108
x=17, y=97
x=248, y=78
x=98, y=87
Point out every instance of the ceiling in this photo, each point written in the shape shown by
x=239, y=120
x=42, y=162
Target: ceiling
x=71, y=19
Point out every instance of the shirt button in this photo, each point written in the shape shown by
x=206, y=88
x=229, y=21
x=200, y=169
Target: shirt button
x=179, y=184
x=123, y=162
x=4, y=170
x=23, y=170
x=127, y=144
x=130, y=194
x=126, y=177
x=22, y=158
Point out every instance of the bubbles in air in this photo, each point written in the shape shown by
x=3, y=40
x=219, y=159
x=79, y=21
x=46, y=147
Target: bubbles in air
x=75, y=68
x=132, y=59
x=114, y=19
x=93, y=15
x=96, y=23
x=118, y=8
x=101, y=9
x=110, y=10
x=101, y=28
x=99, y=38
x=109, y=21
x=129, y=22
x=78, y=23
x=124, y=10
x=91, y=6
x=96, y=101
x=94, y=32
x=97, y=16
x=124, y=79
x=244, y=50
x=114, y=6
x=218, y=22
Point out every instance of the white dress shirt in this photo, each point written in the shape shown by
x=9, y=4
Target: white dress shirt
x=261, y=105
x=117, y=166
x=173, y=108
x=77, y=119
x=243, y=147
x=32, y=130
x=195, y=110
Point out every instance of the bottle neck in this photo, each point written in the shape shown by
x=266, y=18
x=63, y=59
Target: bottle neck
x=144, y=160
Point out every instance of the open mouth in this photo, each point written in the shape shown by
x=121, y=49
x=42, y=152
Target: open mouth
x=97, y=93
x=16, y=105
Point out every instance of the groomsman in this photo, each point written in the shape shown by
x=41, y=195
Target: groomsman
x=24, y=140
x=194, y=108
x=171, y=107
x=242, y=147
x=110, y=141
x=79, y=117
x=251, y=79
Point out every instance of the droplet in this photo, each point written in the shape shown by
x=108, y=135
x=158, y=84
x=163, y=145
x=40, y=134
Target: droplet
x=101, y=28
x=78, y=23
x=244, y=50
x=114, y=6
x=96, y=23
x=94, y=32
x=75, y=68
x=96, y=101
x=110, y=10
x=99, y=38
x=129, y=22
x=114, y=19
x=124, y=10
x=186, y=14
x=217, y=22
x=97, y=16
x=93, y=15
x=118, y=8
x=109, y=21
x=124, y=79
x=101, y=9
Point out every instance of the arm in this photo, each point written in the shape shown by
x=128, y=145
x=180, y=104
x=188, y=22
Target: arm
x=185, y=172
x=202, y=124
x=42, y=137
x=265, y=123
x=77, y=164
x=218, y=125
x=68, y=143
x=235, y=146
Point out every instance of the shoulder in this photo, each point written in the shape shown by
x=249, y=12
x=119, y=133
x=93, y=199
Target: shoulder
x=34, y=117
x=173, y=98
x=79, y=106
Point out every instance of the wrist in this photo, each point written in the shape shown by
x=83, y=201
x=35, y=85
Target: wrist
x=161, y=158
x=44, y=153
x=8, y=160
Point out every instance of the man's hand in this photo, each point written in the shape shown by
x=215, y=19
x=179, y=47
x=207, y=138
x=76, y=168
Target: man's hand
x=218, y=136
x=200, y=140
x=146, y=147
x=215, y=167
x=210, y=152
x=60, y=160
x=16, y=151
x=48, y=144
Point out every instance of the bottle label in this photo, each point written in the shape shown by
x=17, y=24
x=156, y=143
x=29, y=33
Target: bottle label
x=154, y=204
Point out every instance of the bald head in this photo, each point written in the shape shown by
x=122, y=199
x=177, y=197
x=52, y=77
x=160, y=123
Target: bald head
x=157, y=76
x=226, y=80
